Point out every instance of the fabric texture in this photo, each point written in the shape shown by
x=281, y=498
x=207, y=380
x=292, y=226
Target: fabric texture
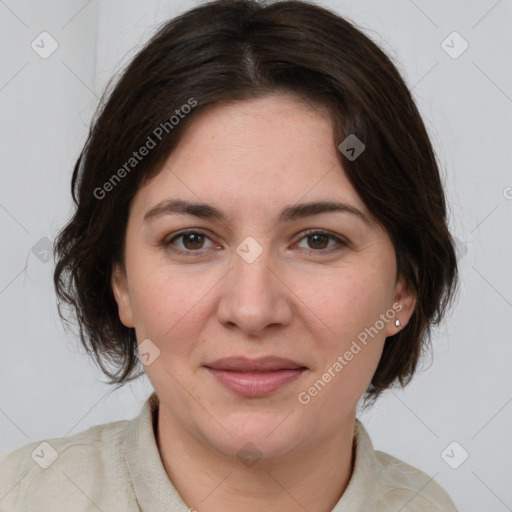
x=116, y=467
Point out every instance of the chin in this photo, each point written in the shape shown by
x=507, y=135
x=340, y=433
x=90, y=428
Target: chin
x=266, y=435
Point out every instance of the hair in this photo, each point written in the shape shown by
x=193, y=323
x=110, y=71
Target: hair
x=236, y=50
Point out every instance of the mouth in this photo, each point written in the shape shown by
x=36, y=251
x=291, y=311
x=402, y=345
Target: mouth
x=255, y=377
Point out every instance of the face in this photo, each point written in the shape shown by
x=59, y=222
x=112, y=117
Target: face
x=253, y=279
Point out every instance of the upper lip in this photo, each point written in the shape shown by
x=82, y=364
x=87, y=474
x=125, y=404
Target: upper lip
x=261, y=364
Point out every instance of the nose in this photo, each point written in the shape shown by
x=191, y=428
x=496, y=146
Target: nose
x=254, y=295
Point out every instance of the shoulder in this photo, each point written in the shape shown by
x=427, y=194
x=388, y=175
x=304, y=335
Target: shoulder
x=412, y=490
x=64, y=473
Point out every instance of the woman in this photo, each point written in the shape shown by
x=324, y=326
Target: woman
x=261, y=223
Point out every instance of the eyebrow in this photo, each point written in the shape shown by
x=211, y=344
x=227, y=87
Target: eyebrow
x=290, y=213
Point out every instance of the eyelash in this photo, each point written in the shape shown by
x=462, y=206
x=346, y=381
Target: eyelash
x=308, y=233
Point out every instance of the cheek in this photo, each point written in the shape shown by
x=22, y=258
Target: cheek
x=168, y=306
x=349, y=336
x=345, y=302
x=347, y=343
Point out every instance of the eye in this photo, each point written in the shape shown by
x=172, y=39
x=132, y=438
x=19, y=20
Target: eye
x=319, y=239
x=193, y=241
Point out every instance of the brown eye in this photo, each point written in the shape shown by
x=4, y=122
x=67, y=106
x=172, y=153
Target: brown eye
x=318, y=241
x=191, y=241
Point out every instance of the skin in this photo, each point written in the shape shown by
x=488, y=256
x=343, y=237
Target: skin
x=252, y=159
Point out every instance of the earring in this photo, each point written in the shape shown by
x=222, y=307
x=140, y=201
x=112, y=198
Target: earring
x=397, y=323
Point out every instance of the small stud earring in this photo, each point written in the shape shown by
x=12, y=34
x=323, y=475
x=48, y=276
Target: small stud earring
x=397, y=323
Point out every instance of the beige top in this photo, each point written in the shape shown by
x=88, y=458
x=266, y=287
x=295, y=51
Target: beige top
x=116, y=467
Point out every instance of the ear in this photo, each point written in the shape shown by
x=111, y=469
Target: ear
x=120, y=289
x=404, y=302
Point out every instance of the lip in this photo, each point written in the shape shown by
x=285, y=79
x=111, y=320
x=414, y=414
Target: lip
x=255, y=377
x=261, y=364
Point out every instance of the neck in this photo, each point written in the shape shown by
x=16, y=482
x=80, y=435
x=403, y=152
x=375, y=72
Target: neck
x=311, y=478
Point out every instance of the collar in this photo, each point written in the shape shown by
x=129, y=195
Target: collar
x=153, y=489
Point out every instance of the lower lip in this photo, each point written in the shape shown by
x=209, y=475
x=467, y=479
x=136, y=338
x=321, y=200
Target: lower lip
x=256, y=384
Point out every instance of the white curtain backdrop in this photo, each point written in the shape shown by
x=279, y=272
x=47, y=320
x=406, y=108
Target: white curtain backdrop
x=56, y=58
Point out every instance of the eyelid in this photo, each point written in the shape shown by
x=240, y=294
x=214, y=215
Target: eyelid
x=320, y=231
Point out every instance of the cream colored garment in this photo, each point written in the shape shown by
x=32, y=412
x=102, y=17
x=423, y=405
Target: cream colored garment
x=116, y=467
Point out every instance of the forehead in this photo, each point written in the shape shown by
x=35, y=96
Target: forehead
x=271, y=151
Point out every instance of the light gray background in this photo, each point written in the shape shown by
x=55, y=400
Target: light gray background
x=48, y=388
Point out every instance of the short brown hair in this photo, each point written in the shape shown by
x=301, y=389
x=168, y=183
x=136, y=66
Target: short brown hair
x=229, y=50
